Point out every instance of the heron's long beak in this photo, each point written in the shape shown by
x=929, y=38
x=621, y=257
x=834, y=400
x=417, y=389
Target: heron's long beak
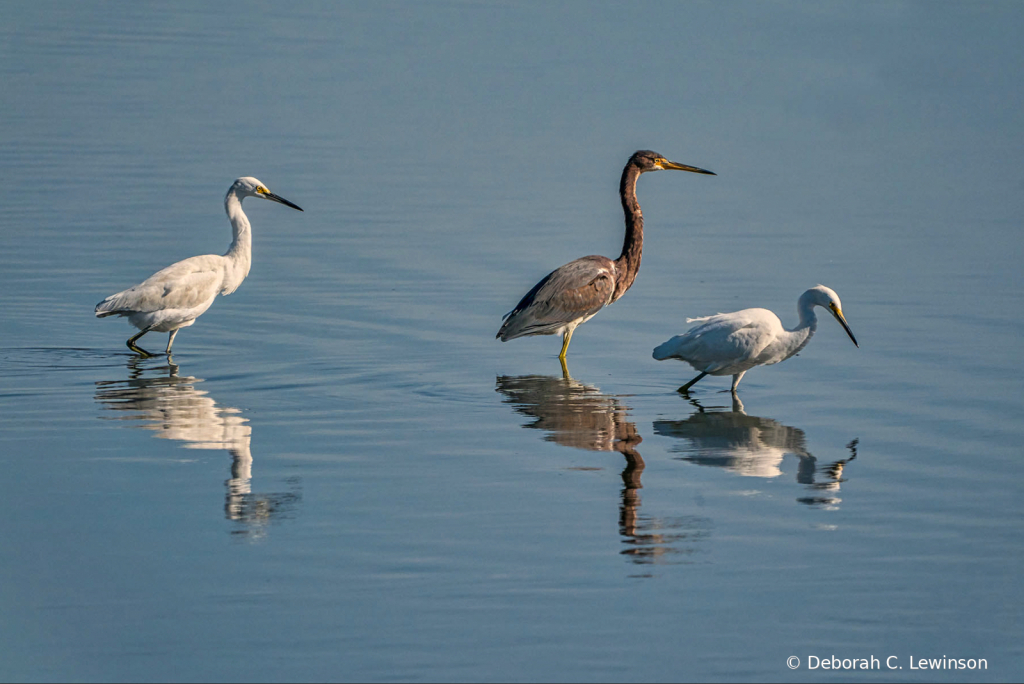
x=282, y=200
x=842, y=321
x=666, y=164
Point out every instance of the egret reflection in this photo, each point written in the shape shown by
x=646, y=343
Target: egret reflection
x=576, y=415
x=159, y=399
x=752, y=446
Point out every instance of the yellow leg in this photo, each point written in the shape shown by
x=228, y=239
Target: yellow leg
x=565, y=369
x=566, y=336
x=137, y=349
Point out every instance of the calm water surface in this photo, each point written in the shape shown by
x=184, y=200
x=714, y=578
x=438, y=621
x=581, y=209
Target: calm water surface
x=341, y=475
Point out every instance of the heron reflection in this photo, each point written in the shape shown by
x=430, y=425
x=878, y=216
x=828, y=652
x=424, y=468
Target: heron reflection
x=754, y=447
x=576, y=415
x=159, y=399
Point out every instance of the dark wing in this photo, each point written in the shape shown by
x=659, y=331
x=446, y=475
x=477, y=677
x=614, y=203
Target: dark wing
x=575, y=291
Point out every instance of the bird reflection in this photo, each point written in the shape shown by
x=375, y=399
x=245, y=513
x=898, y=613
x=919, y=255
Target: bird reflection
x=580, y=416
x=754, y=447
x=833, y=477
x=159, y=399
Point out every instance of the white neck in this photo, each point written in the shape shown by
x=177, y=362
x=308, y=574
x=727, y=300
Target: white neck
x=797, y=338
x=239, y=254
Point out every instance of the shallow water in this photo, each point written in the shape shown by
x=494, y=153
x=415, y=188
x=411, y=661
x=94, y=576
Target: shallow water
x=341, y=475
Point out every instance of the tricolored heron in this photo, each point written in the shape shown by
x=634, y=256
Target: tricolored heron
x=574, y=293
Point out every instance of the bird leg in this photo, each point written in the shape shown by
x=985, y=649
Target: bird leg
x=566, y=336
x=686, y=388
x=565, y=369
x=135, y=348
x=736, y=380
x=170, y=341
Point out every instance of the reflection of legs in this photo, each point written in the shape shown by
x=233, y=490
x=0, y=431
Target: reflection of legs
x=736, y=379
x=170, y=341
x=686, y=388
x=566, y=336
x=138, y=350
x=805, y=471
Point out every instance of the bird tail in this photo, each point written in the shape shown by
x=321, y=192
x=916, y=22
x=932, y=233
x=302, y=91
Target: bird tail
x=521, y=327
x=111, y=306
x=667, y=350
x=501, y=331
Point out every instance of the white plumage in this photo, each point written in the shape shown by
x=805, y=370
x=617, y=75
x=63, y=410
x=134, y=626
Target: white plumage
x=733, y=343
x=174, y=297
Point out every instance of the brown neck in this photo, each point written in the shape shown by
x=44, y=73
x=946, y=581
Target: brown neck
x=628, y=264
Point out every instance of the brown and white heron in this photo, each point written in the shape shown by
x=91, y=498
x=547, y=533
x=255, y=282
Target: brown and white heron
x=574, y=293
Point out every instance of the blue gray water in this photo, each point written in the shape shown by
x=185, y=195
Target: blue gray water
x=341, y=475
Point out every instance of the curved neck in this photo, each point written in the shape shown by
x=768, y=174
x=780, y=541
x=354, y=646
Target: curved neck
x=239, y=254
x=628, y=264
x=805, y=307
x=799, y=336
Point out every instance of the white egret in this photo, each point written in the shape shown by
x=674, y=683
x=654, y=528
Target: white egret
x=733, y=343
x=572, y=294
x=176, y=296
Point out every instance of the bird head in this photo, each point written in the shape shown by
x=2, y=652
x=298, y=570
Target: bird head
x=247, y=186
x=828, y=299
x=646, y=160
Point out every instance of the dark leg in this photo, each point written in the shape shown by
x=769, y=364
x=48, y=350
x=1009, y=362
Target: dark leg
x=686, y=388
x=139, y=350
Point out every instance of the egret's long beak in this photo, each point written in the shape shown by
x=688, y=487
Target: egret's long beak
x=842, y=321
x=666, y=164
x=282, y=200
